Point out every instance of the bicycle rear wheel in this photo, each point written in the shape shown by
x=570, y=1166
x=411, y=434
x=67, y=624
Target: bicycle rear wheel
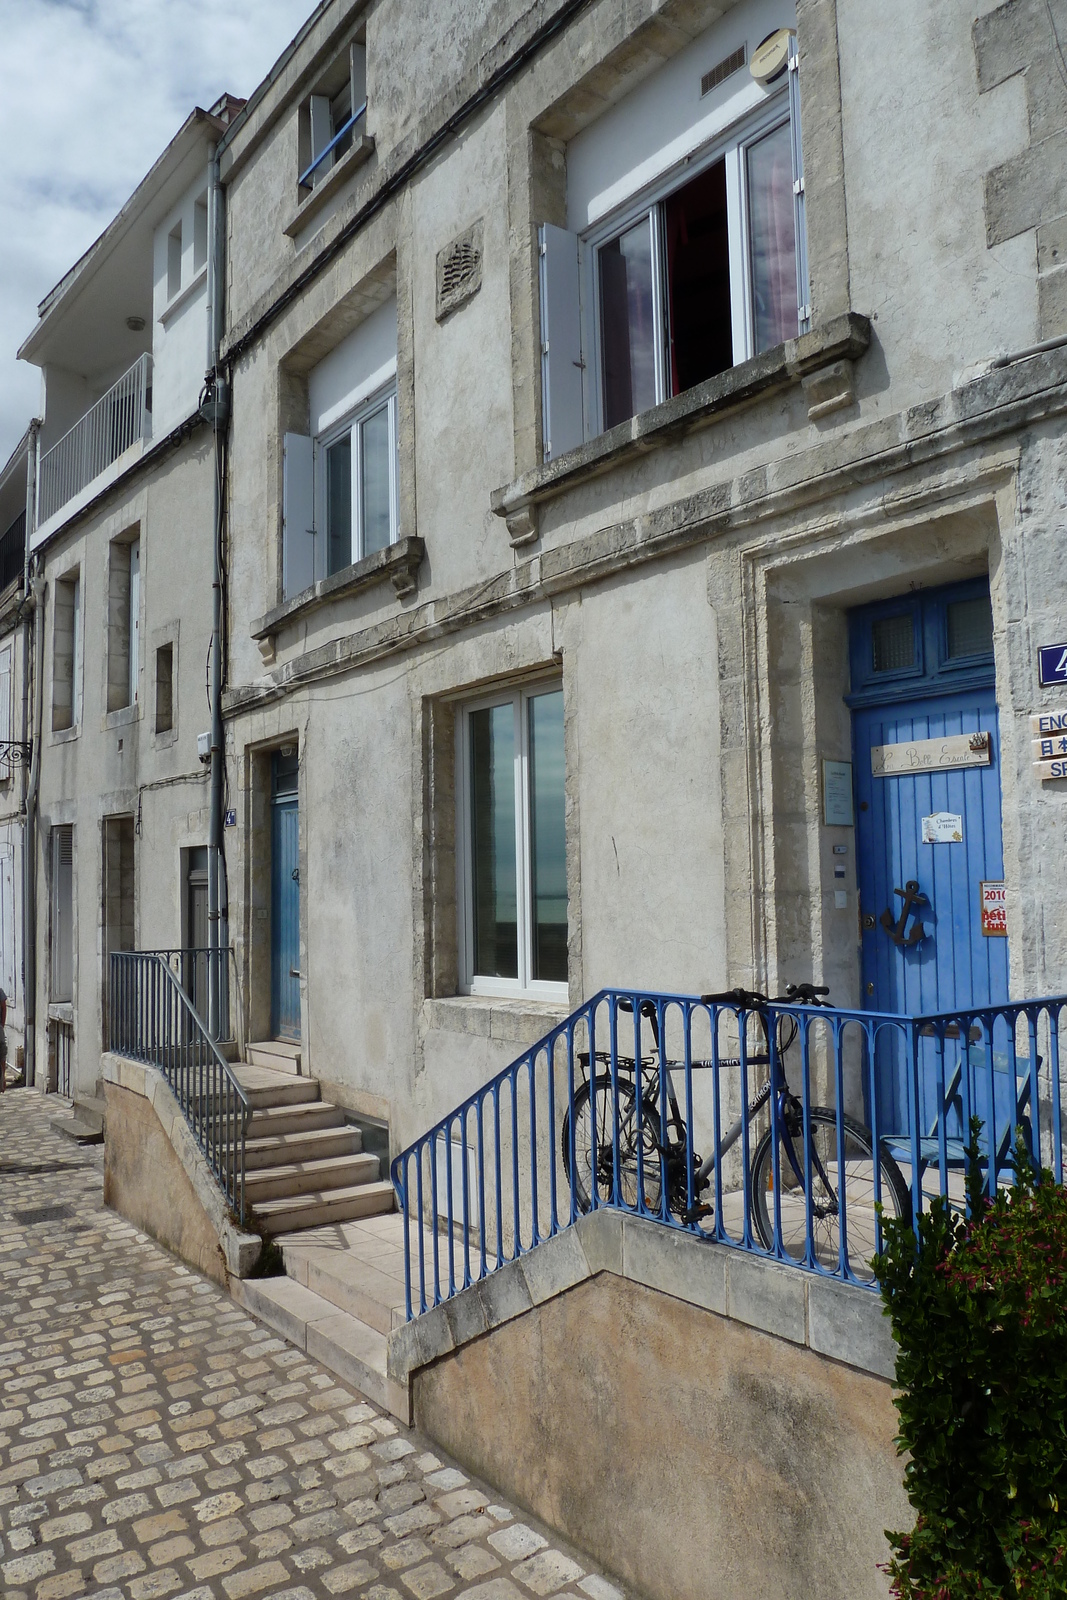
x=826, y=1189
x=579, y=1141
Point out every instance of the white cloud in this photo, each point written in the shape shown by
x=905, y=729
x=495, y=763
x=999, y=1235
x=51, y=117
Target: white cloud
x=91, y=92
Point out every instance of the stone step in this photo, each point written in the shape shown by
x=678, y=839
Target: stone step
x=355, y=1286
x=347, y=1346
x=82, y=1129
x=281, y=1091
x=302, y=1144
x=294, y=1212
x=268, y=1122
x=310, y=1177
x=277, y=1053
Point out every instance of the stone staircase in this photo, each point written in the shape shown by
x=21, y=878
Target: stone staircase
x=327, y=1204
x=342, y=1293
x=305, y=1166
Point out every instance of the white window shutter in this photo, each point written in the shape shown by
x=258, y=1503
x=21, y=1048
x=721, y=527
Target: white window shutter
x=135, y=620
x=799, y=220
x=561, y=341
x=321, y=134
x=298, y=514
x=358, y=70
x=7, y=917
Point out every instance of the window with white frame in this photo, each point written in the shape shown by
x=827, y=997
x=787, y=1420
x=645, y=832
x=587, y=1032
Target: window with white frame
x=512, y=844
x=358, y=489
x=701, y=266
x=340, y=495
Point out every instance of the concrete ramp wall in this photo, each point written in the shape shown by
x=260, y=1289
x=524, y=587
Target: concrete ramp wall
x=710, y=1427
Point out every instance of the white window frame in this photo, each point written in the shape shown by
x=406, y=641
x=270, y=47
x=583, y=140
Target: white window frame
x=731, y=146
x=470, y=982
x=382, y=399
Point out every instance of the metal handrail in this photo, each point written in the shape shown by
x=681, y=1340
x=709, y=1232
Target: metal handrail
x=495, y=1177
x=209, y=978
x=152, y=1019
x=116, y=421
x=304, y=180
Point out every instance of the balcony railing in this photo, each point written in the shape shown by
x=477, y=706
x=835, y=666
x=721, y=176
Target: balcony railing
x=118, y=419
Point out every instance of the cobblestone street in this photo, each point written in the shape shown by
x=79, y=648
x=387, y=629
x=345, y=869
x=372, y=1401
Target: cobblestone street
x=157, y=1441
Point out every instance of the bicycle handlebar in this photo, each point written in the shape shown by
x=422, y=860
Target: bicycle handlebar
x=801, y=994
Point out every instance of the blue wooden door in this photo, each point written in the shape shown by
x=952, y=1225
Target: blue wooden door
x=285, y=901
x=939, y=958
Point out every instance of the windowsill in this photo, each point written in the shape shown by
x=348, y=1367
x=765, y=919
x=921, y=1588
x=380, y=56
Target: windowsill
x=398, y=563
x=183, y=296
x=843, y=338
x=520, y=1021
x=122, y=716
x=361, y=151
x=61, y=1011
x=64, y=735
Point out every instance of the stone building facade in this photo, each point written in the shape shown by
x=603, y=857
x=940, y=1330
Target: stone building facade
x=689, y=378
x=643, y=417
x=121, y=538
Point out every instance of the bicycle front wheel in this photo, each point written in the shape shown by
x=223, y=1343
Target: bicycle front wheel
x=855, y=1181
x=578, y=1142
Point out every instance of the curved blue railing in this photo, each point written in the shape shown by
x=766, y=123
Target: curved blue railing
x=497, y=1175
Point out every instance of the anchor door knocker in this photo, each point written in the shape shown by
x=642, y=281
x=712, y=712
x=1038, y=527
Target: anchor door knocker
x=912, y=898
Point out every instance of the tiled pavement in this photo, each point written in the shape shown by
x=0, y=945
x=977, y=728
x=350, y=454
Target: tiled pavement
x=155, y=1440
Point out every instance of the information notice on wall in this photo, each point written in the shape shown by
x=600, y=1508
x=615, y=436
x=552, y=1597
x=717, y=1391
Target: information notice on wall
x=994, y=909
x=837, y=794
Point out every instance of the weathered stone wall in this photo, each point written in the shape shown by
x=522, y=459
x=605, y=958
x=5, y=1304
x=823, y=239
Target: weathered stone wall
x=698, y=1458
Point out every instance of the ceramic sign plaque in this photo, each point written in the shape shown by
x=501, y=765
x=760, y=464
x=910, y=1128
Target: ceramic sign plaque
x=931, y=755
x=943, y=827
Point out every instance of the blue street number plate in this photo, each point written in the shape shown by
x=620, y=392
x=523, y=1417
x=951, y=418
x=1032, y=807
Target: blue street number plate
x=1052, y=663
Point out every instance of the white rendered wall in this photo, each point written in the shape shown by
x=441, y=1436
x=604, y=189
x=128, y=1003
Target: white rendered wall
x=666, y=118
x=180, y=331
x=358, y=366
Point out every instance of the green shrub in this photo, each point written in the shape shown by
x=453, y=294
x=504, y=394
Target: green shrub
x=979, y=1314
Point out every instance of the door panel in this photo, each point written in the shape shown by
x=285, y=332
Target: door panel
x=953, y=963
x=285, y=919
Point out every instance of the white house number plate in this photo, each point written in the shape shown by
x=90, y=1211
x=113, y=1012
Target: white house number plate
x=931, y=755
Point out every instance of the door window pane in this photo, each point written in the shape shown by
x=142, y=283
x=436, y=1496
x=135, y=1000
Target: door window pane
x=772, y=239
x=339, y=504
x=698, y=279
x=376, y=470
x=495, y=888
x=893, y=639
x=970, y=627
x=548, y=863
x=627, y=324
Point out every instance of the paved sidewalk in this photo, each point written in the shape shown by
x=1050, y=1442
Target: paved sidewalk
x=155, y=1440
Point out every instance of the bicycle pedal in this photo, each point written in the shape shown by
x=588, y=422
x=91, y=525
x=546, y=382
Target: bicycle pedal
x=695, y=1213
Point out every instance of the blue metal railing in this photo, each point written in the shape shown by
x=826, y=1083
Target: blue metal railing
x=343, y=131
x=562, y=1130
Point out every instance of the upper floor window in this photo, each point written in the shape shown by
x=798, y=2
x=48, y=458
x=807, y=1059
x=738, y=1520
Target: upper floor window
x=66, y=652
x=333, y=116
x=357, y=464
x=340, y=489
x=123, y=622
x=677, y=268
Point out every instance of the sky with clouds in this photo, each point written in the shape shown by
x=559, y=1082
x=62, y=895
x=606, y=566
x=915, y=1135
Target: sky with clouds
x=91, y=91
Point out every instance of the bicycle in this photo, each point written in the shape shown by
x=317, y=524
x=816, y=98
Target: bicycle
x=661, y=1131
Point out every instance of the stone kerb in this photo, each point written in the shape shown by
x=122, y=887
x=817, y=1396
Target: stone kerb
x=836, y=1320
x=157, y=1177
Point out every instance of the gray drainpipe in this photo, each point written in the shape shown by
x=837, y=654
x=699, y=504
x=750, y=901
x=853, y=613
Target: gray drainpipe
x=31, y=687
x=216, y=410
